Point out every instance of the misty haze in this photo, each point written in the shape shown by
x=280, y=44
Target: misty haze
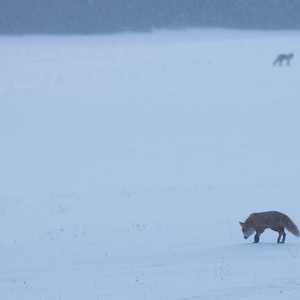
x=135, y=136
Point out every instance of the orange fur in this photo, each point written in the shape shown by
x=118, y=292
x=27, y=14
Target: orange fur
x=258, y=222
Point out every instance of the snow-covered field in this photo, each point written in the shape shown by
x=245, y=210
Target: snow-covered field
x=128, y=160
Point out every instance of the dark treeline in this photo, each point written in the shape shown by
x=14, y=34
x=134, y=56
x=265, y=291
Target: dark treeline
x=100, y=16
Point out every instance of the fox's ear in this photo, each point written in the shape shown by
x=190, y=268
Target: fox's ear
x=241, y=224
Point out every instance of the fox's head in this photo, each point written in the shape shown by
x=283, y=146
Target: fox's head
x=247, y=231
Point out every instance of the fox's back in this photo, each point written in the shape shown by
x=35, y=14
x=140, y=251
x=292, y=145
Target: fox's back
x=268, y=219
x=285, y=56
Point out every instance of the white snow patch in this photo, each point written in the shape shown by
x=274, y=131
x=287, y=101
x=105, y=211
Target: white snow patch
x=128, y=160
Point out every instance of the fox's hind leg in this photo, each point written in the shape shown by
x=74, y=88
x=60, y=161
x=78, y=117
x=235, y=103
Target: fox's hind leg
x=283, y=239
x=281, y=233
x=278, y=240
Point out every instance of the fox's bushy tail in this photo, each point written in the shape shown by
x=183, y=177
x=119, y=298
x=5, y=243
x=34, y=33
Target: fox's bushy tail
x=291, y=226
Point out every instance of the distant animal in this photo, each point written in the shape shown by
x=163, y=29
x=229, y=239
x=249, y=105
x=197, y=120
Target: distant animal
x=283, y=57
x=258, y=222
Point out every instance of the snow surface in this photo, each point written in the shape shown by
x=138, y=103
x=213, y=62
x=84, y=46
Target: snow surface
x=128, y=160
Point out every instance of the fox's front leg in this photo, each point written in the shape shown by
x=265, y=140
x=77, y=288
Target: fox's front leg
x=259, y=231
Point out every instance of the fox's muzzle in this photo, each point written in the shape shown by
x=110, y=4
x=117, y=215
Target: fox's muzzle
x=249, y=232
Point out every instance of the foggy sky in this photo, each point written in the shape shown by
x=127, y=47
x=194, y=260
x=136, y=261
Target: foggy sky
x=99, y=16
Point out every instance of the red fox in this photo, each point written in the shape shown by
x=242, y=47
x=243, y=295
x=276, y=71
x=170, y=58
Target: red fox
x=258, y=222
x=282, y=57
